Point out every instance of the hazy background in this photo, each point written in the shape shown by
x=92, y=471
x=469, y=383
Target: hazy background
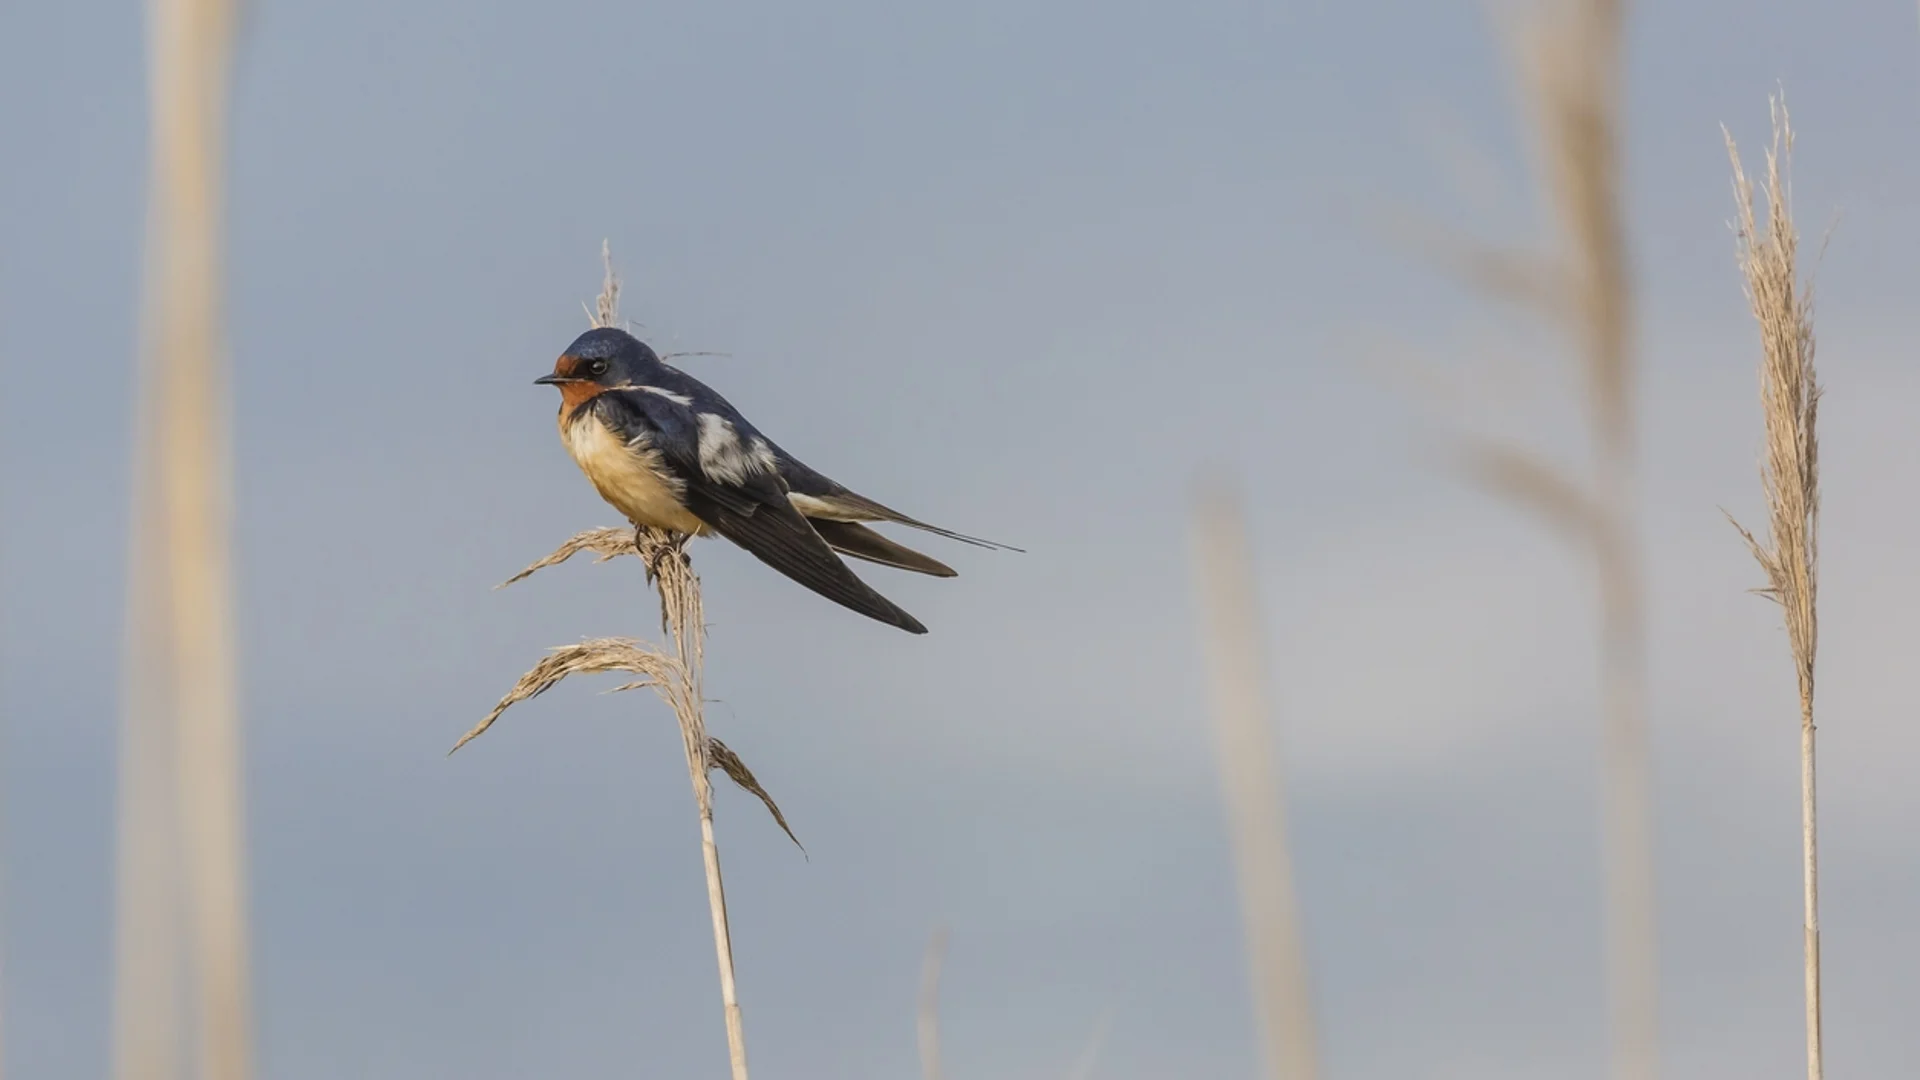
x=1023, y=268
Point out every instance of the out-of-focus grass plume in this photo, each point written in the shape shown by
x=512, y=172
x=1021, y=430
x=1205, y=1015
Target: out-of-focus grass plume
x=1566, y=58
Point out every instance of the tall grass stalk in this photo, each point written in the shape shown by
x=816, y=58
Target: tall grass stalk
x=675, y=675
x=1790, y=477
x=181, y=713
x=1250, y=781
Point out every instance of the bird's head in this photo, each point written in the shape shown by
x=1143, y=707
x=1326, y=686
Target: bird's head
x=597, y=360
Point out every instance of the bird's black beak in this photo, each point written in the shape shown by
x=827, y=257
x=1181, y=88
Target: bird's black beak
x=551, y=380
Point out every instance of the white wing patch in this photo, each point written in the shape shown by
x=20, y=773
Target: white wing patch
x=724, y=457
x=827, y=509
x=677, y=399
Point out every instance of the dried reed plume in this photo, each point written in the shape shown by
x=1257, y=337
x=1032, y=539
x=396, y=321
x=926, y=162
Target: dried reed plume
x=1790, y=476
x=675, y=676
x=1250, y=779
x=1567, y=60
x=181, y=844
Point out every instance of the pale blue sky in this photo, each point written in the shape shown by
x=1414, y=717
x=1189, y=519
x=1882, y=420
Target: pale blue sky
x=1022, y=269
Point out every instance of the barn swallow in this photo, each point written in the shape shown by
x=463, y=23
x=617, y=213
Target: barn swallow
x=664, y=449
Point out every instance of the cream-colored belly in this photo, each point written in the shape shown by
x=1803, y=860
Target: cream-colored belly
x=631, y=479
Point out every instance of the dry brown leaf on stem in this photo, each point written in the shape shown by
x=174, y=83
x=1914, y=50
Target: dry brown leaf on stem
x=728, y=762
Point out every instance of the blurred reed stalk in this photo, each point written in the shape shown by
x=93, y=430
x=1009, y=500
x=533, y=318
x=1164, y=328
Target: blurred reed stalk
x=675, y=676
x=1566, y=55
x=180, y=785
x=929, y=1020
x=1790, y=477
x=932, y=1066
x=1250, y=781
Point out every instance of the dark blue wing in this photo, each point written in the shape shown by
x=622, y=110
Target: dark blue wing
x=795, y=474
x=730, y=480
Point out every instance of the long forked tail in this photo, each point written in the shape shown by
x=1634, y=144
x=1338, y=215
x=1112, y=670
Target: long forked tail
x=852, y=538
x=847, y=506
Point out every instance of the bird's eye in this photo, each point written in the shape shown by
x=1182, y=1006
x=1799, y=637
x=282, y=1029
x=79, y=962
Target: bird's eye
x=598, y=367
